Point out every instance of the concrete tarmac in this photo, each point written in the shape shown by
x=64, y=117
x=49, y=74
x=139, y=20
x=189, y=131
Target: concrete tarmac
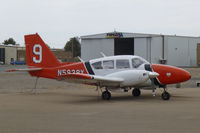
x=71, y=108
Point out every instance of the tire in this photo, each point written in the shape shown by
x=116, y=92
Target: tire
x=136, y=92
x=165, y=96
x=106, y=95
x=198, y=84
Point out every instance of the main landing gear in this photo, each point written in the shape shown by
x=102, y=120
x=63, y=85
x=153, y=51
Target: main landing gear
x=165, y=95
x=106, y=95
x=136, y=92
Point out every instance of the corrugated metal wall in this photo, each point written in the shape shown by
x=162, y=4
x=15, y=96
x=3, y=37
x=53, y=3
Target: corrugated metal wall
x=177, y=51
x=91, y=48
x=181, y=51
x=149, y=48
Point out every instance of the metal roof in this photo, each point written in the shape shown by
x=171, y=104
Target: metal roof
x=130, y=35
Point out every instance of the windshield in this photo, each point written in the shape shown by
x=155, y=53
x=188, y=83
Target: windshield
x=136, y=62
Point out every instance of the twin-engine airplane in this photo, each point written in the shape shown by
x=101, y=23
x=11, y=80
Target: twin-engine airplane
x=122, y=72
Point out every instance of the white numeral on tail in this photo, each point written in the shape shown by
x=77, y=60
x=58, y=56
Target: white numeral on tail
x=38, y=53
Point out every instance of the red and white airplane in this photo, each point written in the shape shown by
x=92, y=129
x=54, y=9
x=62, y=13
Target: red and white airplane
x=122, y=72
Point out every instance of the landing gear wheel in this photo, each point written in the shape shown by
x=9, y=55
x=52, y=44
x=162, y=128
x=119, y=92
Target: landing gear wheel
x=136, y=92
x=106, y=95
x=165, y=95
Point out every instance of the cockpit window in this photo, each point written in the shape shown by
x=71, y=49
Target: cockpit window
x=108, y=64
x=97, y=65
x=120, y=64
x=136, y=62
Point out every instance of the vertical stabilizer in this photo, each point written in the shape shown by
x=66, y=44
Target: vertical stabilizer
x=38, y=53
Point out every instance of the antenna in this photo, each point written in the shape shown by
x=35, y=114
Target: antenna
x=80, y=59
x=102, y=54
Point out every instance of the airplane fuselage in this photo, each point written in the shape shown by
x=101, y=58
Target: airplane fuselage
x=129, y=68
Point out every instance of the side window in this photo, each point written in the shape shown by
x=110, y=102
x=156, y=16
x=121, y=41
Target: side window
x=97, y=65
x=120, y=64
x=108, y=64
x=136, y=62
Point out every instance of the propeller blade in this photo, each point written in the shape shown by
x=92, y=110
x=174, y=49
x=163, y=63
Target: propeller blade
x=153, y=87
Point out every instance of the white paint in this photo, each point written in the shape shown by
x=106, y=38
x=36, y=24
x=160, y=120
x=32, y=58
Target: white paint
x=37, y=53
x=168, y=74
x=131, y=77
x=104, y=72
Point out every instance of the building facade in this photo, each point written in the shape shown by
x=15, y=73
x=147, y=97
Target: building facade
x=7, y=53
x=155, y=48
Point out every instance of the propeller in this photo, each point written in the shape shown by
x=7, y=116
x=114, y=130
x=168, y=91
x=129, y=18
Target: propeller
x=152, y=76
x=153, y=87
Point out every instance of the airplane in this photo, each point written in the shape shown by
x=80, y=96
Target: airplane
x=121, y=72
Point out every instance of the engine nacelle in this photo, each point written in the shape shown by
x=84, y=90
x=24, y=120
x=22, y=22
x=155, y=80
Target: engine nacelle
x=131, y=77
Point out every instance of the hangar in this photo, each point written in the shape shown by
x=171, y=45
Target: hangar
x=156, y=48
x=7, y=53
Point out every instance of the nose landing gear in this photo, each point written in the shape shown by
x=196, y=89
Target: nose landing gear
x=165, y=95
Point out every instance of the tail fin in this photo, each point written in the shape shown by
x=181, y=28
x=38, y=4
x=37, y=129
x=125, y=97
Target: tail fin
x=38, y=53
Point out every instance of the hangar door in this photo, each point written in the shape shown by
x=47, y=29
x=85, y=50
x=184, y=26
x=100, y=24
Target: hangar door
x=2, y=55
x=124, y=46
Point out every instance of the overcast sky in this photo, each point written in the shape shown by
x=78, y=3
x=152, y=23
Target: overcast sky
x=58, y=20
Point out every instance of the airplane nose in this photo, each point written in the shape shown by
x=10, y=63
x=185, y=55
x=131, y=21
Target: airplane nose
x=170, y=74
x=185, y=75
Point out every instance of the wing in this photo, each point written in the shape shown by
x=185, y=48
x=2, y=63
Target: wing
x=91, y=79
